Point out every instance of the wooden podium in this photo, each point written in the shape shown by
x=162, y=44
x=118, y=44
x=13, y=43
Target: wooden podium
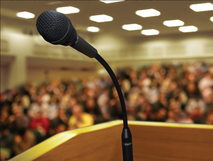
x=152, y=141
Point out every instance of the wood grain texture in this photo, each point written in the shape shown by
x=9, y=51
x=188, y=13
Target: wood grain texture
x=98, y=145
x=150, y=143
x=172, y=144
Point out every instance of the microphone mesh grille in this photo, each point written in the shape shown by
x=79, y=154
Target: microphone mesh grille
x=52, y=25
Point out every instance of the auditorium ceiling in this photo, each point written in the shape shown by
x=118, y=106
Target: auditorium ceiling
x=122, y=13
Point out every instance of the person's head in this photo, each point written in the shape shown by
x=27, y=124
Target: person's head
x=52, y=130
x=5, y=107
x=17, y=110
x=208, y=95
x=174, y=106
x=173, y=85
x=155, y=84
x=77, y=110
x=209, y=118
x=61, y=128
x=133, y=75
x=141, y=99
x=208, y=75
x=54, y=100
x=191, y=77
x=21, y=131
x=39, y=99
x=73, y=101
x=161, y=114
x=4, y=115
x=191, y=87
x=157, y=113
x=90, y=103
x=162, y=95
x=4, y=130
x=61, y=111
x=38, y=115
x=197, y=111
x=91, y=93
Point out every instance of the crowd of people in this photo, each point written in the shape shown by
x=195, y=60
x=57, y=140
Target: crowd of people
x=178, y=93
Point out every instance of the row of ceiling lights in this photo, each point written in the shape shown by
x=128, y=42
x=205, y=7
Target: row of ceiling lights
x=131, y=27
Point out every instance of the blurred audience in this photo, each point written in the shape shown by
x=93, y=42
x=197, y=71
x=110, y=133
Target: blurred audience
x=23, y=140
x=39, y=124
x=180, y=93
x=79, y=118
x=7, y=141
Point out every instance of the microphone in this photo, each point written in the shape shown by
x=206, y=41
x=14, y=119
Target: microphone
x=57, y=29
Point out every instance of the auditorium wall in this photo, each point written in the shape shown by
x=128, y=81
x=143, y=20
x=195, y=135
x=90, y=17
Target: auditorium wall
x=29, y=57
x=140, y=50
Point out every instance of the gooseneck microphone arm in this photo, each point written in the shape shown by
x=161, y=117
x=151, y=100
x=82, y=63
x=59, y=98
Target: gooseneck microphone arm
x=126, y=134
x=57, y=29
x=117, y=86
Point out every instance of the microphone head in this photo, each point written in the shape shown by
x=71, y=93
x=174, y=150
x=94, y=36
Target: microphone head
x=56, y=28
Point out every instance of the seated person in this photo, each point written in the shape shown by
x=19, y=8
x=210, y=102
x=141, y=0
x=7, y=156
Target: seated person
x=79, y=118
x=23, y=140
x=7, y=139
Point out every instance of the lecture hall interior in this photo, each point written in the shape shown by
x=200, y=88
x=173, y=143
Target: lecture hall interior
x=162, y=55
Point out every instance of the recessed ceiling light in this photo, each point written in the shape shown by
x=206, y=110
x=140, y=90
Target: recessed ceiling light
x=67, y=10
x=173, y=23
x=188, y=29
x=54, y=2
x=202, y=7
x=101, y=18
x=92, y=29
x=147, y=13
x=25, y=14
x=131, y=27
x=211, y=18
x=111, y=1
x=150, y=32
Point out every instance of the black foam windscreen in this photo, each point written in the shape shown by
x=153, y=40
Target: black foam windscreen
x=56, y=28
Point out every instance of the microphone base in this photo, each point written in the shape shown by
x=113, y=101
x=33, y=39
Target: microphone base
x=127, y=144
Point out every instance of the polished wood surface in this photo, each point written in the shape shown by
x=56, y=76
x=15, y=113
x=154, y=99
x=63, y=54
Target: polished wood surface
x=101, y=145
x=151, y=142
x=172, y=144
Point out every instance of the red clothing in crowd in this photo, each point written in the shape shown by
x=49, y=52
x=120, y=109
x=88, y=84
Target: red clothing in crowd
x=42, y=122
